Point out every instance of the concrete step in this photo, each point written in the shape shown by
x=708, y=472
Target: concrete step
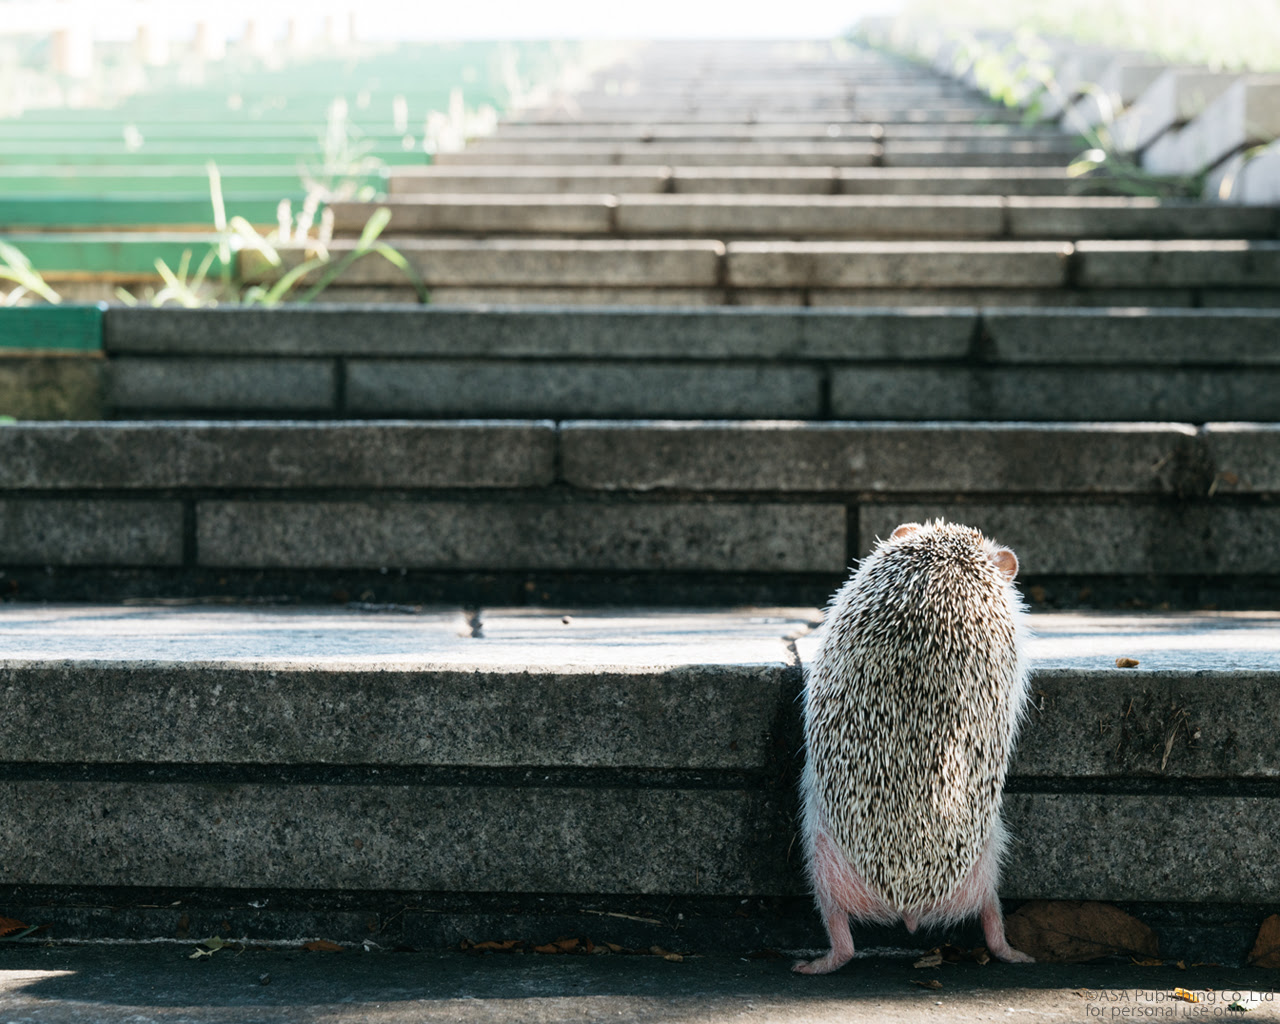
x=977, y=152
x=476, y=508
x=633, y=179
x=705, y=271
x=798, y=217
x=648, y=132
x=499, y=755
x=1189, y=365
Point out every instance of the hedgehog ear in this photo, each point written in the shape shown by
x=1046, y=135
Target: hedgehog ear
x=904, y=530
x=1006, y=562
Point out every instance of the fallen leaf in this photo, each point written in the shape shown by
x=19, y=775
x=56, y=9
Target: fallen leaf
x=198, y=953
x=548, y=948
x=566, y=945
x=1127, y=662
x=9, y=925
x=1266, y=948
x=1182, y=993
x=675, y=958
x=931, y=983
x=931, y=960
x=1073, y=931
x=323, y=946
x=1146, y=961
x=614, y=947
x=982, y=957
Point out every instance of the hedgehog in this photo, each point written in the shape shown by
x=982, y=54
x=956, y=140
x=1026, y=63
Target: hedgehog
x=911, y=709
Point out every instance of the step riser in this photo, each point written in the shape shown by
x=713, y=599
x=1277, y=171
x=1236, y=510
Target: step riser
x=765, y=499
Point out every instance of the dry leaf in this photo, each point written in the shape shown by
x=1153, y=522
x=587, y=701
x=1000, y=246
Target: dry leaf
x=673, y=957
x=1072, y=931
x=323, y=946
x=566, y=945
x=1266, y=948
x=931, y=983
x=501, y=946
x=548, y=948
x=1127, y=662
x=982, y=957
x=614, y=947
x=1146, y=961
x=1182, y=993
x=930, y=960
x=9, y=925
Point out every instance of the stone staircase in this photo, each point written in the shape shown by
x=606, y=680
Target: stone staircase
x=378, y=630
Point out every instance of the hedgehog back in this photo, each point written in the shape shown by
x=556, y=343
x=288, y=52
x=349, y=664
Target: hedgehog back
x=911, y=710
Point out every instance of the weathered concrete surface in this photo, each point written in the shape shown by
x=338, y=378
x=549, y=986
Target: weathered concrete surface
x=97, y=531
x=1244, y=456
x=1174, y=98
x=868, y=457
x=414, y=837
x=726, y=537
x=149, y=984
x=1236, y=263
x=1104, y=539
x=434, y=178
x=504, y=688
x=1247, y=113
x=1048, y=298
x=528, y=262
x=1068, y=393
x=725, y=333
x=1128, y=217
x=128, y=455
x=198, y=385
x=811, y=216
x=551, y=388
x=1133, y=336
x=1122, y=81
x=667, y=153
x=323, y=686
x=1251, y=177
x=485, y=214
x=59, y=387
x=897, y=264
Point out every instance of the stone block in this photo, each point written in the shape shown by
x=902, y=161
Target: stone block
x=582, y=214
x=123, y=455
x=897, y=264
x=668, y=537
x=1189, y=337
x=531, y=263
x=1118, y=723
x=301, y=686
x=1153, y=847
x=1245, y=456
x=1247, y=113
x=754, y=180
x=812, y=216
x=1175, y=97
x=458, y=387
x=451, y=838
x=1017, y=297
x=1116, y=88
x=999, y=181
x=636, y=297
x=670, y=154
x=1071, y=538
x=506, y=180
x=981, y=153
x=1069, y=393
x=90, y=531
x=55, y=387
x=1128, y=217
x=875, y=458
x=139, y=384
x=1252, y=177
x=1201, y=263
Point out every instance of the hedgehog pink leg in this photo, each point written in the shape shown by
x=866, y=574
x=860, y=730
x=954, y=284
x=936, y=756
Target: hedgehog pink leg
x=979, y=893
x=993, y=930
x=839, y=892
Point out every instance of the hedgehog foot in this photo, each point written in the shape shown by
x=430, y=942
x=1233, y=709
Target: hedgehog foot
x=993, y=931
x=823, y=965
